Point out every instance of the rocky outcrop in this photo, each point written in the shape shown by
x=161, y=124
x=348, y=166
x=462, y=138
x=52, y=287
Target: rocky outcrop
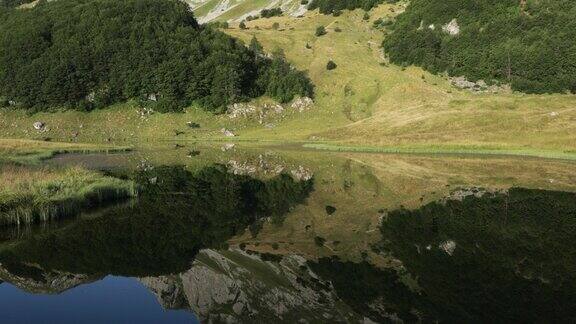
x=262, y=112
x=265, y=167
x=479, y=86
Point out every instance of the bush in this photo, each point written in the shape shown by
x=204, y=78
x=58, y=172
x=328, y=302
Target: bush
x=332, y=6
x=331, y=65
x=242, y=25
x=274, y=12
x=320, y=31
x=275, y=25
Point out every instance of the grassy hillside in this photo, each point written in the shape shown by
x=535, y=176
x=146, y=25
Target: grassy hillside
x=365, y=102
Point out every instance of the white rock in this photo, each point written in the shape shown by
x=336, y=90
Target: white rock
x=452, y=28
x=448, y=246
x=39, y=125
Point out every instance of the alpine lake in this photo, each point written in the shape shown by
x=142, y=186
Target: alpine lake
x=235, y=234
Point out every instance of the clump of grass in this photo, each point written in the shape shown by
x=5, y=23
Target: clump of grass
x=30, y=195
x=30, y=152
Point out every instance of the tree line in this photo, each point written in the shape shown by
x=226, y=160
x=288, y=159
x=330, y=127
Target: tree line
x=335, y=6
x=88, y=54
x=529, y=45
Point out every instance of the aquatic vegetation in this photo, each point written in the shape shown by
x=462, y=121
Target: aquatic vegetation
x=37, y=194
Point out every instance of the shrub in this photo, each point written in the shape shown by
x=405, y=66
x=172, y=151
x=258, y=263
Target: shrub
x=331, y=65
x=320, y=31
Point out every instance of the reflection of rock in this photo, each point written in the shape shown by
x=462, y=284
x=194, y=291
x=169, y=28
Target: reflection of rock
x=448, y=246
x=227, y=147
x=227, y=132
x=53, y=282
x=223, y=286
x=268, y=168
x=462, y=193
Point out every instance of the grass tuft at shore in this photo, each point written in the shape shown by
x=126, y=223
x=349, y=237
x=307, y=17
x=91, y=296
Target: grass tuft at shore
x=23, y=151
x=35, y=194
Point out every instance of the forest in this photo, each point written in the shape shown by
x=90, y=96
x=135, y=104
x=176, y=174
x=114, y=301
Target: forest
x=527, y=44
x=87, y=54
x=335, y=6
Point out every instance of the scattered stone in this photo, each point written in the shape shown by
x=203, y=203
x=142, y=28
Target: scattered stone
x=39, y=126
x=554, y=114
x=227, y=133
x=193, y=153
x=153, y=181
x=448, y=246
x=452, y=28
x=144, y=112
x=302, y=104
x=479, y=86
x=91, y=97
x=302, y=174
x=228, y=146
x=152, y=97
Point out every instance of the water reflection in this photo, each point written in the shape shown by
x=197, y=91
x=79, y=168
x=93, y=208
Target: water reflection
x=251, y=239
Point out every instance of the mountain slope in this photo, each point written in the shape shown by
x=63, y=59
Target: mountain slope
x=238, y=10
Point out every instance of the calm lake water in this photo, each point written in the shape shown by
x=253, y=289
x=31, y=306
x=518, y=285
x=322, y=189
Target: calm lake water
x=253, y=236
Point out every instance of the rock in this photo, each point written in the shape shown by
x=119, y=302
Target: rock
x=302, y=104
x=452, y=28
x=227, y=133
x=554, y=114
x=238, y=110
x=153, y=97
x=302, y=174
x=228, y=147
x=153, y=181
x=39, y=126
x=91, y=97
x=432, y=27
x=448, y=246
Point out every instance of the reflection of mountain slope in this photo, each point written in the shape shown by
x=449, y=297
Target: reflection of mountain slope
x=34, y=279
x=233, y=285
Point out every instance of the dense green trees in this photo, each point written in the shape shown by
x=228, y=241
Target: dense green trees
x=335, y=6
x=273, y=12
x=531, y=45
x=91, y=53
